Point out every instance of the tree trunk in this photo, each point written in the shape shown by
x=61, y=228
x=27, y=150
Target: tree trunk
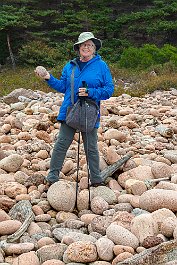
x=10, y=52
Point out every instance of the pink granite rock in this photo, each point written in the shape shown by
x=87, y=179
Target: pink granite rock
x=84, y=252
x=121, y=236
x=11, y=163
x=115, y=134
x=105, y=249
x=68, y=166
x=17, y=249
x=4, y=216
x=67, y=196
x=45, y=241
x=98, y=205
x=118, y=249
x=161, y=170
x=155, y=199
x=121, y=257
x=12, y=189
x=144, y=225
x=53, y=262
x=139, y=173
x=9, y=227
x=27, y=259
x=168, y=225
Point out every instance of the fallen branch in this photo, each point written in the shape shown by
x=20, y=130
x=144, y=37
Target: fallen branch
x=23, y=212
x=150, y=183
x=21, y=230
x=110, y=170
x=157, y=255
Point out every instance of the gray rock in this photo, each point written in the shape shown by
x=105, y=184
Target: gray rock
x=107, y=194
x=99, y=224
x=52, y=251
x=171, y=155
x=59, y=233
x=14, y=95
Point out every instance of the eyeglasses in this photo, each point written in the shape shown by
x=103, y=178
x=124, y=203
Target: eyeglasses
x=86, y=45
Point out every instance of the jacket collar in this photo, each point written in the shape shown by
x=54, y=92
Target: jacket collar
x=96, y=57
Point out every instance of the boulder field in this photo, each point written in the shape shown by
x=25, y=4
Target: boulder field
x=131, y=220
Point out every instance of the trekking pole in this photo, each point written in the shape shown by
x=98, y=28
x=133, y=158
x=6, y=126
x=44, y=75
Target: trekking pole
x=83, y=101
x=88, y=168
x=77, y=176
x=87, y=156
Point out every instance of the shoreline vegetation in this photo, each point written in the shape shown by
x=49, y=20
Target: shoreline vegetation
x=127, y=81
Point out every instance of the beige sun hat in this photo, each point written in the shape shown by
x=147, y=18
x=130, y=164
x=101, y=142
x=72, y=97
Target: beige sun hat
x=84, y=36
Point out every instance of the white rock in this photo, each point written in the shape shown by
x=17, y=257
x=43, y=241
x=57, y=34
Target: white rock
x=11, y=163
x=121, y=236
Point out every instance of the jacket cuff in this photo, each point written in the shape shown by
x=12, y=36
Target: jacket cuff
x=50, y=79
x=90, y=92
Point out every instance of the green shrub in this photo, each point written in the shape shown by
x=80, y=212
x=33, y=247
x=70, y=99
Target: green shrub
x=169, y=51
x=158, y=56
x=112, y=49
x=148, y=55
x=167, y=68
x=141, y=81
x=135, y=58
x=39, y=53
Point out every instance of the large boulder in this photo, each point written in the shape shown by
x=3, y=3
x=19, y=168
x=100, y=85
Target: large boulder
x=155, y=199
x=15, y=95
x=62, y=196
x=144, y=225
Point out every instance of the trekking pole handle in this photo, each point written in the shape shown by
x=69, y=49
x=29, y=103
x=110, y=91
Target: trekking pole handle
x=84, y=85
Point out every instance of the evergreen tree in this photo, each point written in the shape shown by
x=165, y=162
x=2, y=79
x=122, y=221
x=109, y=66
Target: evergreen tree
x=57, y=24
x=15, y=20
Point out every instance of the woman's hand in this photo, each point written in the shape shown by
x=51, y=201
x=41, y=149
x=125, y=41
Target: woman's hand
x=83, y=92
x=41, y=72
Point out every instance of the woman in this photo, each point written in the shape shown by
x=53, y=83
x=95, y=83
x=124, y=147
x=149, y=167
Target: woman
x=93, y=71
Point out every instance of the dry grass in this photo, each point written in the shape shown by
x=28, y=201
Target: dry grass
x=21, y=78
x=139, y=83
x=134, y=83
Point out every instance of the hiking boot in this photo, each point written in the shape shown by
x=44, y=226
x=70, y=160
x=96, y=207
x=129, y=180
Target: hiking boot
x=48, y=182
x=98, y=184
x=51, y=178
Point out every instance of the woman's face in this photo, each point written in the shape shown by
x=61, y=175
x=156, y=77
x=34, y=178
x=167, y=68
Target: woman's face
x=87, y=49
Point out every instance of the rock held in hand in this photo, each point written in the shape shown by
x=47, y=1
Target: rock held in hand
x=41, y=71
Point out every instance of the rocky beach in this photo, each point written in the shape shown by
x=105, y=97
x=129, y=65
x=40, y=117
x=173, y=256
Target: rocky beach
x=132, y=220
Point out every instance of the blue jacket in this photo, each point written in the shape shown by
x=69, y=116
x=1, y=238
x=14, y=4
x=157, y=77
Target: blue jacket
x=95, y=73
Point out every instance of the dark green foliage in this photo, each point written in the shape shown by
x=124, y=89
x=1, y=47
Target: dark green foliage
x=112, y=50
x=3, y=48
x=37, y=52
x=57, y=23
x=14, y=21
x=147, y=56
